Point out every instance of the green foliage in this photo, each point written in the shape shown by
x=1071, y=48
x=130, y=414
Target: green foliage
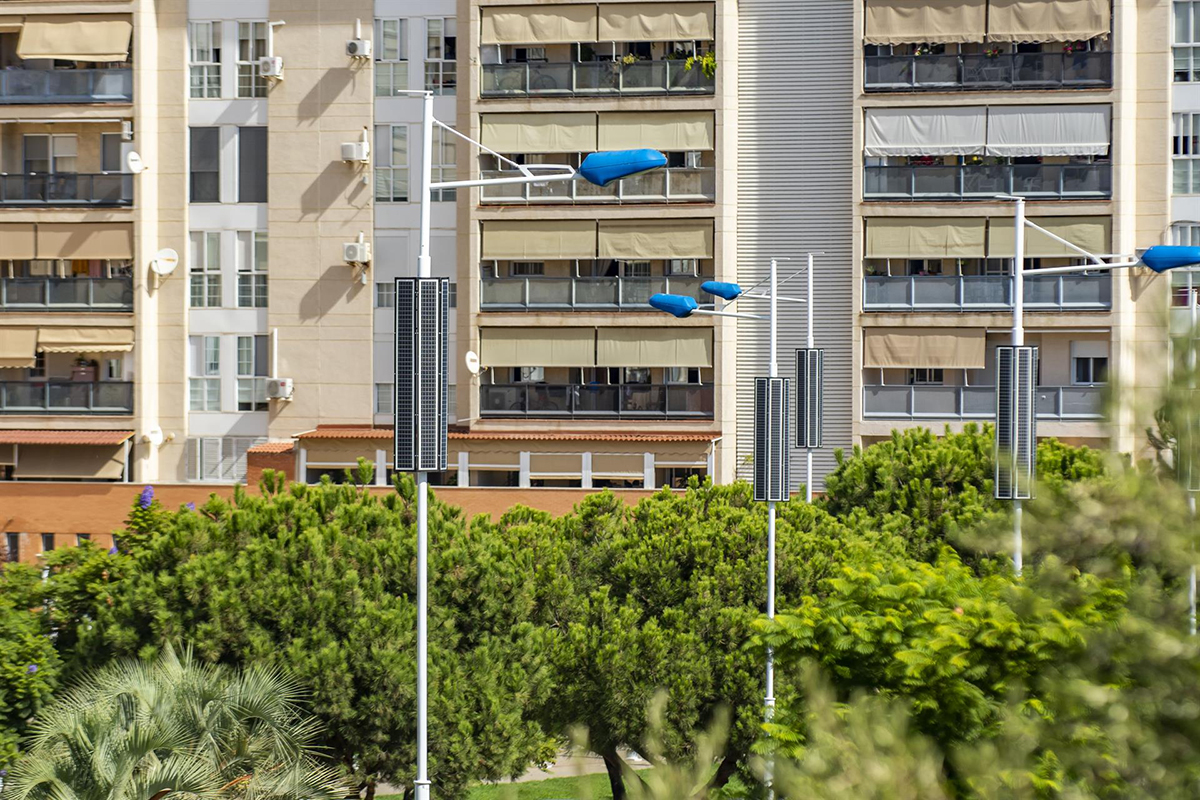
x=706, y=62
x=29, y=664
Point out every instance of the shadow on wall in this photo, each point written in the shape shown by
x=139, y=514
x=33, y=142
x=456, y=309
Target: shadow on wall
x=333, y=84
x=339, y=183
x=337, y=284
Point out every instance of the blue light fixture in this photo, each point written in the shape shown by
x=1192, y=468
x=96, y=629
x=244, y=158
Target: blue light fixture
x=604, y=168
x=1163, y=257
x=677, y=305
x=726, y=291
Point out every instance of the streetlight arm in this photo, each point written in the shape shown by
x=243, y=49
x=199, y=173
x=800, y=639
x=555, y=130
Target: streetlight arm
x=1082, y=268
x=737, y=314
x=530, y=178
x=1061, y=240
x=768, y=297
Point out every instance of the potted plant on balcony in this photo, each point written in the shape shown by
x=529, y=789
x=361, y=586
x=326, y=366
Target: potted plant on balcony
x=83, y=370
x=706, y=62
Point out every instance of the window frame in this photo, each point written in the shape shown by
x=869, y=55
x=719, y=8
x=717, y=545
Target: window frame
x=208, y=70
x=252, y=259
x=204, y=278
x=193, y=130
x=247, y=180
x=1095, y=365
x=439, y=68
x=442, y=169
x=255, y=380
x=385, y=391
x=391, y=74
x=385, y=294
x=250, y=82
x=388, y=174
x=204, y=379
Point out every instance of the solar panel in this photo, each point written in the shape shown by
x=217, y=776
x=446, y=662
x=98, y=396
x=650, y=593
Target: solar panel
x=810, y=397
x=1016, y=422
x=422, y=314
x=772, y=473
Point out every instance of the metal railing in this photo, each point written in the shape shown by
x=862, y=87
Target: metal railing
x=1082, y=70
x=66, y=294
x=66, y=86
x=985, y=292
x=672, y=184
x=593, y=78
x=978, y=402
x=67, y=188
x=985, y=181
x=583, y=294
x=66, y=397
x=627, y=401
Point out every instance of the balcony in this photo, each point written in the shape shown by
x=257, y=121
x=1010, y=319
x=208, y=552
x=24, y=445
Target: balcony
x=1062, y=403
x=668, y=185
x=595, y=401
x=41, y=86
x=593, y=78
x=583, y=294
x=66, y=189
x=985, y=293
x=66, y=397
x=940, y=73
x=985, y=181
x=66, y=294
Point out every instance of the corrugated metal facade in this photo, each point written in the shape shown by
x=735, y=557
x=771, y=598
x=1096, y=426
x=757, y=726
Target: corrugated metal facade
x=795, y=119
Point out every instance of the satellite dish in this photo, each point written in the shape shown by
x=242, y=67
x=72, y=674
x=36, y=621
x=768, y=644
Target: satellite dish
x=164, y=262
x=154, y=436
x=134, y=163
x=472, y=362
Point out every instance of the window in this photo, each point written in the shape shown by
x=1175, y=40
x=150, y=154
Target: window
x=110, y=152
x=385, y=294
x=683, y=266
x=47, y=542
x=12, y=547
x=252, y=45
x=1089, y=370
x=204, y=370
x=391, y=57
x=47, y=153
x=383, y=398
x=677, y=477
x=529, y=374
x=113, y=369
x=204, y=59
x=637, y=269
x=218, y=459
x=925, y=377
x=80, y=538
x=1185, y=152
x=637, y=375
x=526, y=269
x=441, y=49
x=251, y=373
x=252, y=165
x=391, y=163
x=453, y=299
x=444, y=164
x=38, y=370
x=683, y=375
x=205, y=269
x=252, y=269
x=205, y=167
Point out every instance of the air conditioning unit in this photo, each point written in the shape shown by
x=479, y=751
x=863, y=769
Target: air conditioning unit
x=271, y=66
x=358, y=48
x=356, y=252
x=279, y=388
x=356, y=151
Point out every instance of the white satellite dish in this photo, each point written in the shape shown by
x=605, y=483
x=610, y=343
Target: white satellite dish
x=134, y=163
x=472, y=362
x=164, y=262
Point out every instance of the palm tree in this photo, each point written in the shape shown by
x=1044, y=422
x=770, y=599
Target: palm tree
x=138, y=731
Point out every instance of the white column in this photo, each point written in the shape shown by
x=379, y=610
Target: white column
x=587, y=469
x=711, y=463
x=301, y=464
x=464, y=469
x=523, y=481
x=381, y=467
x=648, y=471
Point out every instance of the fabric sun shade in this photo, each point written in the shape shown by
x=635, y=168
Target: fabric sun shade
x=941, y=131
x=539, y=133
x=925, y=237
x=17, y=241
x=669, y=132
x=640, y=239
x=11, y=24
x=1093, y=234
x=1074, y=130
x=656, y=22
x=618, y=464
x=550, y=346
x=907, y=21
x=654, y=347
x=99, y=462
x=84, y=240
x=556, y=463
x=18, y=348
x=549, y=24
x=1045, y=21
x=539, y=240
x=85, y=340
x=925, y=348
x=86, y=37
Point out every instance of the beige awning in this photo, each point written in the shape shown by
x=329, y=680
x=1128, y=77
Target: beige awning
x=1046, y=21
x=925, y=237
x=18, y=347
x=618, y=465
x=8, y=452
x=17, y=241
x=10, y=23
x=913, y=21
x=550, y=346
x=538, y=240
x=82, y=37
x=549, y=24
x=654, y=347
x=656, y=22
x=641, y=239
x=932, y=131
x=494, y=458
x=84, y=240
x=920, y=348
x=555, y=464
x=1093, y=234
x=539, y=133
x=71, y=462
x=667, y=131
x=1067, y=130
x=85, y=340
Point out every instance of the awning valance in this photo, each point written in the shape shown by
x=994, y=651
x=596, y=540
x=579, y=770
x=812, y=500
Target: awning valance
x=654, y=347
x=1093, y=234
x=909, y=21
x=618, y=465
x=656, y=22
x=539, y=133
x=925, y=237
x=550, y=346
x=11, y=23
x=103, y=462
x=17, y=241
x=538, y=240
x=1071, y=130
x=641, y=239
x=931, y=131
x=924, y=348
x=548, y=24
x=85, y=340
x=1047, y=20
x=567, y=464
x=84, y=240
x=670, y=132
x=18, y=347
x=83, y=37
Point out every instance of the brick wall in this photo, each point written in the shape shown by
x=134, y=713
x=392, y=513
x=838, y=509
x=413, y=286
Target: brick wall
x=257, y=462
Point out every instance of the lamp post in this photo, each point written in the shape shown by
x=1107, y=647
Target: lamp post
x=598, y=168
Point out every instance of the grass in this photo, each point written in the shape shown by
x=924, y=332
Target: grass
x=549, y=789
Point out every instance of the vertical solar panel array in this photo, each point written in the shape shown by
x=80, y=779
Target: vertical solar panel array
x=810, y=397
x=772, y=476
x=422, y=313
x=1016, y=422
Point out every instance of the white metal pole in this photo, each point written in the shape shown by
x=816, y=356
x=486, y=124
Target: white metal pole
x=808, y=486
x=1192, y=573
x=772, y=371
x=1190, y=456
x=1018, y=339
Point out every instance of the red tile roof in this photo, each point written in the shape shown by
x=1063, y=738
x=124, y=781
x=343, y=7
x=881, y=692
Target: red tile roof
x=272, y=447
x=379, y=432
x=63, y=437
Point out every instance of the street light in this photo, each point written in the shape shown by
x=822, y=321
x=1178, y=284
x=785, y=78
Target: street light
x=598, y=168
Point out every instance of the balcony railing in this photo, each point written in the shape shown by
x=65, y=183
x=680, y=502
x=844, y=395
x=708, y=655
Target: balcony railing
x=66, y=397
x=977, y=402
x=985, y=292
x=593, y=78
x=66, y=294
x=66, y=188
x=575, y=401
x=1083, y=70
x=985, y=181
x=673, y=184
x=66, y=86
x=583, y=294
